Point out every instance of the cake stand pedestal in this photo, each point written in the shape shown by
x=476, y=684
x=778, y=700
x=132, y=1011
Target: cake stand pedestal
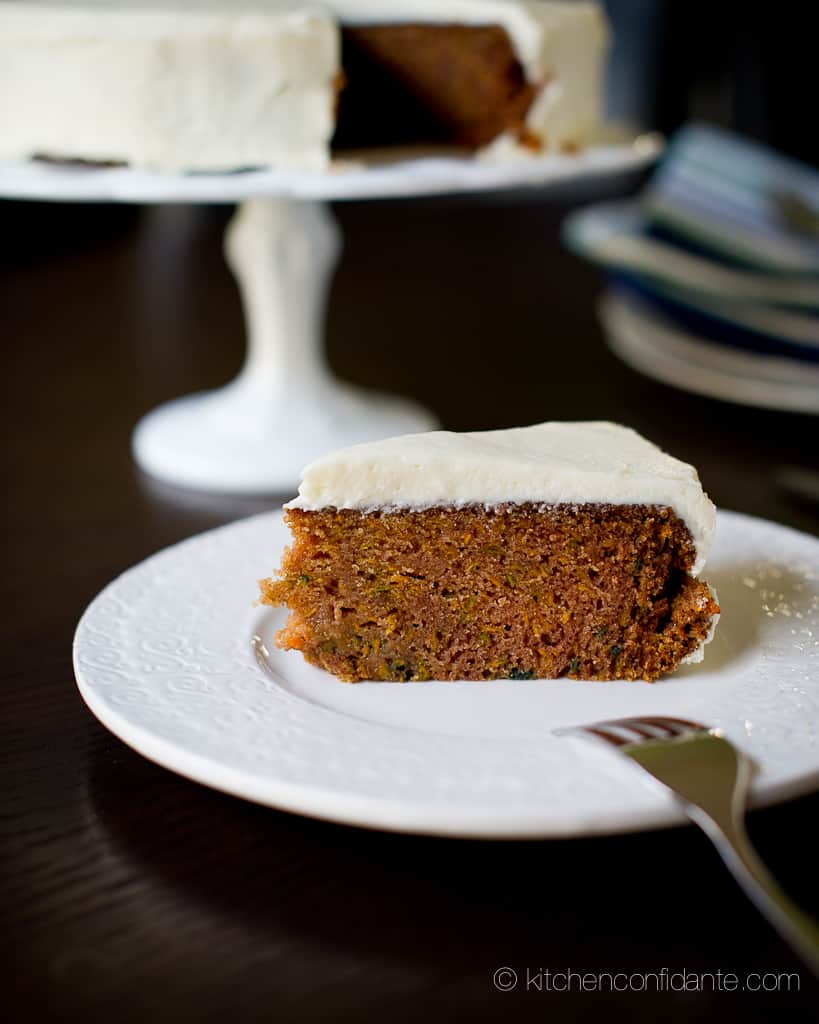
x=285, y=408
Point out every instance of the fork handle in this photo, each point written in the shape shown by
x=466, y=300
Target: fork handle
x=730, y=838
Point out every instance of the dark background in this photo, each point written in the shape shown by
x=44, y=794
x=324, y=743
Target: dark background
x=128, y=893
x=745, y=64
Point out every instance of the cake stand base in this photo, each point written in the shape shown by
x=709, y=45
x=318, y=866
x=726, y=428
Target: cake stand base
x=215, y=441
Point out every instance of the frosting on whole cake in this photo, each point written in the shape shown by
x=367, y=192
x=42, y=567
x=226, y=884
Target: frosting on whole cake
x=551, y=463
x=189, y=84
x=216, y=85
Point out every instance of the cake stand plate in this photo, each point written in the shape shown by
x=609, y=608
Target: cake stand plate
x=285, y=408
x=372, y=174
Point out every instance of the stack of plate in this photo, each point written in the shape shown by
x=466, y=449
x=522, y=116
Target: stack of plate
x=715, y=272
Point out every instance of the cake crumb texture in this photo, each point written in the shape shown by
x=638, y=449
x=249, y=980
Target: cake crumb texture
x=515, y=591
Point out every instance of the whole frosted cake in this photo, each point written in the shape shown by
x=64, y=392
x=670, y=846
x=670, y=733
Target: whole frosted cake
x=559, y=549
x=218, y=85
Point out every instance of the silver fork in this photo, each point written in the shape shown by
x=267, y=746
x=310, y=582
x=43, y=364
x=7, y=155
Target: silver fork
x=709, y=778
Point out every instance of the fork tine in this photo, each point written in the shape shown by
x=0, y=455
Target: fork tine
x=622, y=731
x=603, y=734
x=675, y=726
x=646, y=728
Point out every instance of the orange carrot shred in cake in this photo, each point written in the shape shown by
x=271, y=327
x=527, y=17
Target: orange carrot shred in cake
x=560, y=549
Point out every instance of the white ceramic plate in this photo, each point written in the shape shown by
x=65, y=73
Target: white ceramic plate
x=665, y=351
x=163, y=657
x=374, y=175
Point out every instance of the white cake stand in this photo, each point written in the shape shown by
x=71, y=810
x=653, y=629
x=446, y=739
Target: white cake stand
x=285, y=408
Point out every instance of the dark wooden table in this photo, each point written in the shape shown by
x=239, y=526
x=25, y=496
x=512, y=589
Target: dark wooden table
x=130, y=894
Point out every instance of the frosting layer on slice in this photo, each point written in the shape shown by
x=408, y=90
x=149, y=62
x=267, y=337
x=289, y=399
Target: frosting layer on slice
x=551, y=463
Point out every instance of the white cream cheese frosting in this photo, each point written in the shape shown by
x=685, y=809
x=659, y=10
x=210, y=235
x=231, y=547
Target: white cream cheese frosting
x=178, y=86
x=551, y=463
x=216, y=85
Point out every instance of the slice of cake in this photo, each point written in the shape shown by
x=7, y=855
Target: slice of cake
x=559, y=549
x=216, y=85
